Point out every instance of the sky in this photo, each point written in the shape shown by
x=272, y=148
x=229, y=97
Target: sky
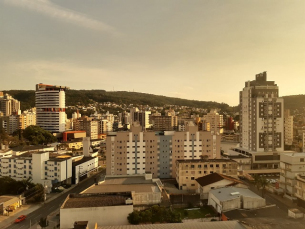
x=199, y=49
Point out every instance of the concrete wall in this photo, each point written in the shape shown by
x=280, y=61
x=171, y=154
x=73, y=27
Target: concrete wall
x=146, y=198
x=231, y=204
x=252, y=203
x=103, y=216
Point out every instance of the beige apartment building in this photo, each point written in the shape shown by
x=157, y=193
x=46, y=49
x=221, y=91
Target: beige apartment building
x=215, y=121
x=136, y=152
x=87, y=124
x=9, y=105
x=187, y=171
x=27, y=119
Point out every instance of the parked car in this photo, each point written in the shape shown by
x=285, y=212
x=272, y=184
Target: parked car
x=20, y=219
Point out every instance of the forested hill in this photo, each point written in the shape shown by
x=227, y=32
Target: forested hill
x=84, y=97
x=293, y=102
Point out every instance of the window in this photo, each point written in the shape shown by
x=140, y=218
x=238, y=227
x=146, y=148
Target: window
x=192, y=178
x=301, y=159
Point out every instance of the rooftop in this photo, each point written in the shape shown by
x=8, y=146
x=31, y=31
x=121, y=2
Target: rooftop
x=125, y=184
x=193, y=225
x=83, y=160
x=95, y=200
x=295, y=154
x=215, y=177
x=226, y=193
x=30, y=148
x=203, y=160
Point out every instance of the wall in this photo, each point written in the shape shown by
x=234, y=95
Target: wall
x=205, y=189
x=146, y=198
x=103, y=216
x=252, y=203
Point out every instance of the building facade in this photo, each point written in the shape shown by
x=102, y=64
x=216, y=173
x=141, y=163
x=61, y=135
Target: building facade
x=288, y=128
x=50, y=107
x=292, y=164
x=137, y=152
x=261, y=116
x=39, y=166
x=215, y=121
x=9, y=105
x=187, y=171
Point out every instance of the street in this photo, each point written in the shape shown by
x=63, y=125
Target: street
x=54, y=204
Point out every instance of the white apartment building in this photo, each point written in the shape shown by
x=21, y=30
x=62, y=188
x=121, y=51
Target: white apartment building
x=292, y=164
x=261, y=116
x=288, y=128
x=215, y=120
x=51, y=107
x=39, y=166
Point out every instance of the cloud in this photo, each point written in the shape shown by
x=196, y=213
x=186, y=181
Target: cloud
x=50, y=9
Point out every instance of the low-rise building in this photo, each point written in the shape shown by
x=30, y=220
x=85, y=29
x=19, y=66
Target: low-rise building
x=230, y=198
x=39, y=166
x=292, y=164
x=216, y=180
x=187, y=171
x=145, y=190
x=10, y=203
x=300, y=190
x=101, y=209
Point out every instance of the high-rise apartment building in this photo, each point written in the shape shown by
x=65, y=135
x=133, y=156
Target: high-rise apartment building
x=261, y=116
x=288, y=128
x=137, y=152
x=215, y=120
x=51, y=107
x=9, y=105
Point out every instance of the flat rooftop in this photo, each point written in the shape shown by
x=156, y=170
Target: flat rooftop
x=6, y=198
x=193, y=225
x=203, y=160
x=224, y=194
x=95, y=200
x=136, y=184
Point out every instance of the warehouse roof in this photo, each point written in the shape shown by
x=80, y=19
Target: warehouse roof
x=215, y=177
x=95, y=200
x=230, y=193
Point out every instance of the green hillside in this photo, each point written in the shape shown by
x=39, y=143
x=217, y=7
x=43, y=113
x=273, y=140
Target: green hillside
x=84, y=97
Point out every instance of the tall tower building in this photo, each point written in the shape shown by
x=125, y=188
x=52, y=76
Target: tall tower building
x=51, y=107
x=261, y=116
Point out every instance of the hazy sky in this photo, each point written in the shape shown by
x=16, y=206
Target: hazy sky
x=198, y=49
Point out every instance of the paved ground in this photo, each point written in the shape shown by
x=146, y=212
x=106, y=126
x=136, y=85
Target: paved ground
x=269, y=217
x=47, y=209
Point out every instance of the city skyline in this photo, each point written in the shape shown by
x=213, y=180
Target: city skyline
x=202, y=51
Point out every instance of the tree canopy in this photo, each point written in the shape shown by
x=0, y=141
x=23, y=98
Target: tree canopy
x=155, y=214
x=36, y=135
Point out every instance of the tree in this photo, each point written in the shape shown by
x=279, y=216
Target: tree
x=36, y=135
x=43, y=222
x=261, y=183
x=264, y=184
